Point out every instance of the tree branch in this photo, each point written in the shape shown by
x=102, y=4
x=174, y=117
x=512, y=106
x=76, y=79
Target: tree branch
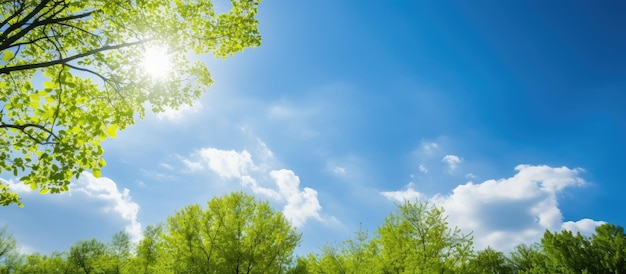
x=8, y=41
x=20, y=23
x=105, y=79
x=16, y=13
x=7, y=70
x=23, y=128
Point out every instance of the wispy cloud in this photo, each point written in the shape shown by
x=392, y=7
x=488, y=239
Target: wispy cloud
x=429, y=147
x=505, y=212
x=177, y=114
x=423, y=169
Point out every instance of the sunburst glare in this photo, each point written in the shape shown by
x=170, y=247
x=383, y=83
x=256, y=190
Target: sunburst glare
x=156, y=62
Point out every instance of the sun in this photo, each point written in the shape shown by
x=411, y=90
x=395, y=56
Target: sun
x=156, y=62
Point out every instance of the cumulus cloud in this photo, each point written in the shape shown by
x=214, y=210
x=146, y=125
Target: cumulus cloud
x=585, y=226
x=103, y=189
x=408, y=194
x=423, y=169
x=505, y=212
x=452, y=160
x=119, y=202
x=227, y=164
x=300, y=204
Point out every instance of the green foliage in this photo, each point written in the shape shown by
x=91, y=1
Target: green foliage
x=528, y=259
x=234, y=234
x=567, y=253
x=89, y=256
x=417, y=239
x=488, y=261
x=148, y=251
x=119, y=251
x=70, y=76
x=56, y=263
x=601, y=253
x=609, y=243
x=355, y=255
x=8, y=251
x=238, y=234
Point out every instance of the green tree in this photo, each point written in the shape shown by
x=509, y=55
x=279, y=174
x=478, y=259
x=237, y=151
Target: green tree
x=148, y=251
x=71, y=75
x=609, y=245
x=89, y=256
x=355, y=255
x=569, y=253
x=417, y=239
x=528, y=259
x=120, y=250
x=55, y=263
x=8, y=251
x=234, y=234
x=489, y=261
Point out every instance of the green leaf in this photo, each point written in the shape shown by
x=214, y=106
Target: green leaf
x=8, y=55
x=111, y=131
x=49, y=84
x=96, y=173
x=44, y=190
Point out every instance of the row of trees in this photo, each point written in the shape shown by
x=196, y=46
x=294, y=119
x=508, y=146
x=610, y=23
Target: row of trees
x=239, y=234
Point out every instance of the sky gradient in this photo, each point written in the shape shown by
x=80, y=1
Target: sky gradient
x=509, y=114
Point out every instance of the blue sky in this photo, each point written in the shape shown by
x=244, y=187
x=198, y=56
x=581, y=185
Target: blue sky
x=510, y=114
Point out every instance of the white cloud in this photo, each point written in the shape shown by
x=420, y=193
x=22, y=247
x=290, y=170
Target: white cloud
x=119, y=202
x=408, y=194
x=452, y=160
x=103, y=189
x=503, y=213
x=300, y=204
x=423, y=169
x=227, y=164
x=470, y=176
x=585, y=226
x=177, y=114
x=18, y=187
x=193, y=166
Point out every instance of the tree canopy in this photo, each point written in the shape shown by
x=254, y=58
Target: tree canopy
x=234, y=234
x=237, y=233
x=71, y=75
